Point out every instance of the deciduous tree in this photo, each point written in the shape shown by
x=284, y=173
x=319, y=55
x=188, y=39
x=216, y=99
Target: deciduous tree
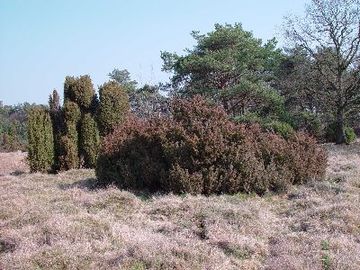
x=330, y=35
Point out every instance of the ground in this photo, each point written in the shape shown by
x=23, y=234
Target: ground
x=63, y=222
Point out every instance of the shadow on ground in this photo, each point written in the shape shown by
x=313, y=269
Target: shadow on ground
x=17, y=173
x=88, y=184
x=91, y=184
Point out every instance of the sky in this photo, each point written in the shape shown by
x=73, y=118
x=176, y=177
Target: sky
x=43, y=41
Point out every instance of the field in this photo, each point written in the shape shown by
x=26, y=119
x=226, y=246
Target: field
x=64, y=222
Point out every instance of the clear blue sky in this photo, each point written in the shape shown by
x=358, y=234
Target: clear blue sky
x=42, y=41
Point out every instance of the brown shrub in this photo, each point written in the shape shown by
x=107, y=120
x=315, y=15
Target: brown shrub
x=199, y=150
x=132, y=156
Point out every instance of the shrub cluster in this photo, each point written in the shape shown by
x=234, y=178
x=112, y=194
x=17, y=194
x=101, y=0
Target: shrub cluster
x=75, y=130
x=200, y=151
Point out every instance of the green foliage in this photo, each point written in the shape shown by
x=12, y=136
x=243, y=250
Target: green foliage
x=122, y=77
x=331, y=129
x=350, y=135
x=325, y=258
x=89, y=140
x=330, y=77
x=40, y=140
x=69, y=157
x=249, y=118
x=309, y=122
x=253, y=98
x=57, y=120
x=199, y=150
x=79, y=90
x=283, y=129
x=13, y=127
x=330, y=132
x=227, y=65
x=10, y=139
x=113, y=108
x=71, y=112
x=80, y=140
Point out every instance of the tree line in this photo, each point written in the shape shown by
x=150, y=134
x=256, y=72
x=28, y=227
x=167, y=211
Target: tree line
x=13, y=127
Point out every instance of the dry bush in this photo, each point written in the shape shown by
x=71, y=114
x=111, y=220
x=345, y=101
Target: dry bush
x=198, y=150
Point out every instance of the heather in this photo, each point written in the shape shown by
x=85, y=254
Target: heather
x=199, y=150
x=65, y=221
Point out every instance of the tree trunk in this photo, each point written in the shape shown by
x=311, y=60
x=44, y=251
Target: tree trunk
x=340, y=133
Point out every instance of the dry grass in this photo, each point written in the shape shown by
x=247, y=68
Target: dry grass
x=14, y=162
x=64, y=222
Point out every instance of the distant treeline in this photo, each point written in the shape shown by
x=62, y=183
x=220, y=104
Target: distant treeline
x=13, y=122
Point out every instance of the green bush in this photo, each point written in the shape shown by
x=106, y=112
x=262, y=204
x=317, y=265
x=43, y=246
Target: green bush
x=57, y=120
x=200, y=151
x=13, y=127
x=11, y=140
x=40, y=140
x=249, y=118
x=281, y=128
x=89, y=140
x=79, y=90
x=350, y=135
x=330, y=133
x=72, y=112
x=310, y=123
x=113, y=108
x=69, y=158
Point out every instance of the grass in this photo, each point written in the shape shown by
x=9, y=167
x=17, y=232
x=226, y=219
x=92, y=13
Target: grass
x=64, y=222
